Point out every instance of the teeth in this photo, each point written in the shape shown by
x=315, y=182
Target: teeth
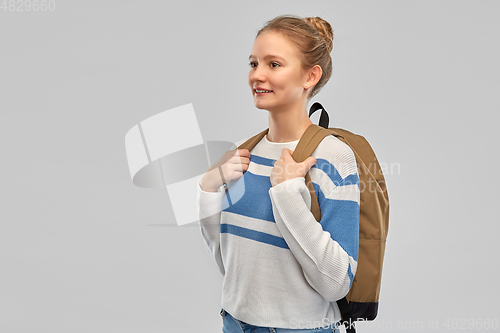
x=261, y=91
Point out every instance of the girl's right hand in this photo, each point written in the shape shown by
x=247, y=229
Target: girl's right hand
x=233, y=164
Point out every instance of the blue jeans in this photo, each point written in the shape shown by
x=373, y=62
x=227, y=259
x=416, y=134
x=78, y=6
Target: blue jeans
x=233, y=325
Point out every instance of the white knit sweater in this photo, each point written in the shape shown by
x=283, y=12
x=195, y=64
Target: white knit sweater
x=281, y=267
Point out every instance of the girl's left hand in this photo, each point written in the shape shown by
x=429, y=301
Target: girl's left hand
x=286, y=168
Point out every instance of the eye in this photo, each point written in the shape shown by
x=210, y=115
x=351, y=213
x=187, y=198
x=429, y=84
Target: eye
x=273, y=64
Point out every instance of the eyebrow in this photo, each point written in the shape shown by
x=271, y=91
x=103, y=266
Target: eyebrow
x=267, y=56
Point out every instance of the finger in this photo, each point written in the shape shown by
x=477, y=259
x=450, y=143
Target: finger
x=285, y=153
x=243, y=160
x=239, y=167
x=239, y=160
x=310, y=161
x=243, y=152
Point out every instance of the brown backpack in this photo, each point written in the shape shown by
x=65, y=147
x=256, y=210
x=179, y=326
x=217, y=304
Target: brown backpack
x=361, y=303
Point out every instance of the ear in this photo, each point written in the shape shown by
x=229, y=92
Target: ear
x=313, y=76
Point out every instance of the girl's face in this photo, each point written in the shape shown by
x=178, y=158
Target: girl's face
x=275, y=66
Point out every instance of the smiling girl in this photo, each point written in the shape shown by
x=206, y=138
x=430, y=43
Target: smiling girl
x=283, y=271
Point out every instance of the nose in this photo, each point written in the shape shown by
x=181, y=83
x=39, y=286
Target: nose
x=257, y=74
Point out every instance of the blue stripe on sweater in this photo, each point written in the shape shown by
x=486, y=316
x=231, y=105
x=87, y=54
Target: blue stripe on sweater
x=351, y=277
x=262, y=160
x=254, y=235
x=321, y=164
x=254, y=201
x=329, y=170
x=338, y=217
x=341, y=219
x=351, y=180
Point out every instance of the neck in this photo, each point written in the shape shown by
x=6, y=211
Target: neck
x=289, y=125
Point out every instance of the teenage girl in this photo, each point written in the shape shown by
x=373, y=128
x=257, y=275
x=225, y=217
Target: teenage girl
x=283, y=271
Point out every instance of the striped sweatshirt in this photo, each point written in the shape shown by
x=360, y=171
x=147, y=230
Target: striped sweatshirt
x=280, y=267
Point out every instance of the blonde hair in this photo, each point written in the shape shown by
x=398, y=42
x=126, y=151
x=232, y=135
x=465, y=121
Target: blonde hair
x=313, y=37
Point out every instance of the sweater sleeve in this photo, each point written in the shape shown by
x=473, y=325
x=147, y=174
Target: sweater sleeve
x=327, y=251
x=209, y=206
x=209, y=212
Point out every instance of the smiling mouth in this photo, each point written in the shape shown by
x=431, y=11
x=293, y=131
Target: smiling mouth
x=262, y=92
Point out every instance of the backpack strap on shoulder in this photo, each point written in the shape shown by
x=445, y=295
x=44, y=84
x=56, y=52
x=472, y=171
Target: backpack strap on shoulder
x=309, y=141
x=250, y=143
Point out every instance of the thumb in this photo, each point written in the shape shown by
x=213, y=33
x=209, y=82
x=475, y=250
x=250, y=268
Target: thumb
x=309, y=162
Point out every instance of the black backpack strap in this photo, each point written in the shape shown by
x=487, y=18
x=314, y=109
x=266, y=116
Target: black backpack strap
x=323, y=119
x=346, y=314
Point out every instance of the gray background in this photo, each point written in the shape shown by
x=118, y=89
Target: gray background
x=82, y=249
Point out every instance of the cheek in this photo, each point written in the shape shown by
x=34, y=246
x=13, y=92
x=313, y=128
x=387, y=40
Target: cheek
x=285, y=82
x=291, y=90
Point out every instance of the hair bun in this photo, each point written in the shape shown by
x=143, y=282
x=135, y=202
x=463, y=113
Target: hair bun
x=324, y=29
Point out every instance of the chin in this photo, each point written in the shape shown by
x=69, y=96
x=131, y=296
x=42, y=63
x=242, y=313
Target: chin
x=261, y=106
